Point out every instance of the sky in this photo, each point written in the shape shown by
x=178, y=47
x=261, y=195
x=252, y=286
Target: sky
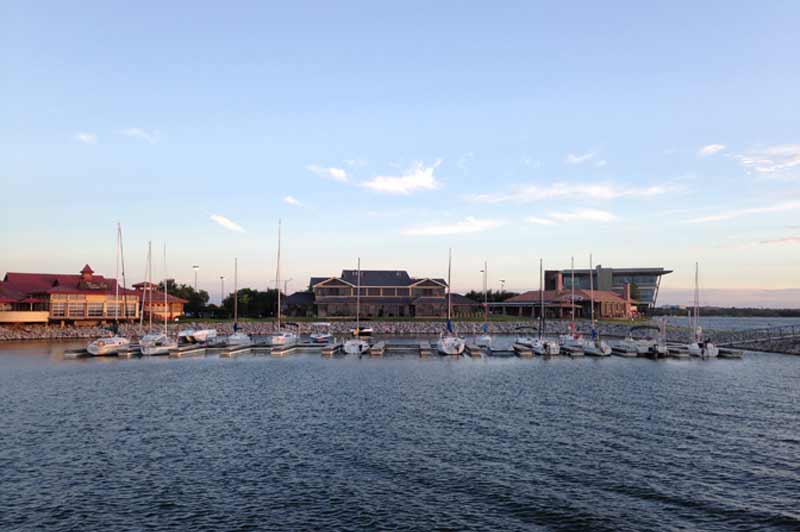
x=645, y=135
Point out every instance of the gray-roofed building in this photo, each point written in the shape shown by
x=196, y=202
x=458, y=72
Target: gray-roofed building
x=386, y=293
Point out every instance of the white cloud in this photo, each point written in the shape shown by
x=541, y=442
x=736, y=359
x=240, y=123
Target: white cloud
x=736, y=213
x=150, y=136
x=711, y=149
x=572, y=158
x=226, y=223
x=336, y=174
x=593, y=215
x=418, y=177
x=772, y=161
x=600, y=164
x=468, y=225
x=291, y=200
x=597, y=191
x=539, y=221
x=785, y=240
x=86, y=138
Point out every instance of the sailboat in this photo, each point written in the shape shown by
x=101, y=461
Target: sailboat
x=238, y=338
x=450, y=343
x=595, y=346
x=357, y=346
x=485, y=340
x=539, y=345
x=281, y=338
x=572, y=343
x=113, y=345
x=700, y=347
x=160, y=343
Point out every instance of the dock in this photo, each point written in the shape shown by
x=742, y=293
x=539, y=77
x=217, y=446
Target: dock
x=377, y=350
x=523, y=351
x=425, y=349
x=329, y=350
x=571, y=351
x=473, y=350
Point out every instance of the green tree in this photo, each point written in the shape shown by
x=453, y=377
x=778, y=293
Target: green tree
x=196, y=300
x=253, y=303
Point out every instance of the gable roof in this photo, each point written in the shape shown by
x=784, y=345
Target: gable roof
x=377, y=277
x=54, y=283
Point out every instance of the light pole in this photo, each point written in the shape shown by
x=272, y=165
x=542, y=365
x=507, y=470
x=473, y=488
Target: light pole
x=221, y=290
x=285, y=287
x=195, y=268
x=502, y=285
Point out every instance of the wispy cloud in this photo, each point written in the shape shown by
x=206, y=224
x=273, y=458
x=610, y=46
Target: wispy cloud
x=539, y=221
x=573, y=158
x=736, y=213
x=779, y=241
x=418, y=177
x=86, y=138
x=291, y=200
x=335, y=174
x=711, y=149
x=772, y=161
x=597, y=191
x=593, y=215
x=601, y=163
x=226, y=223
x=150, y=136
x=468, y=225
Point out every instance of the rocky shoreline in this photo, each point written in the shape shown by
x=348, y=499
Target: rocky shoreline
x=338, y=328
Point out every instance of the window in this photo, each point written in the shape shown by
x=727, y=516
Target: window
x=76, y=309
x=95, y=310
x=373, y=291
x=58, y=309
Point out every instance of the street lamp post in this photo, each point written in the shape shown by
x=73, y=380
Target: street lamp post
x=502, y=285
x=195, y=268
x=286, y=287
x=221, y=290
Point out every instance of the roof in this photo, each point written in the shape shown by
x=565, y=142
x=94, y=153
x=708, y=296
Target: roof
x=87, y=269
x=377, y=277
x=300, y=298
x=585, y=271
x=455, y=300
x=368, y=300
x=550, y=296
x=54, y=283
x=158, y=297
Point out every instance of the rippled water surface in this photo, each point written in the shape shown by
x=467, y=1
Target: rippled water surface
x=303, y=442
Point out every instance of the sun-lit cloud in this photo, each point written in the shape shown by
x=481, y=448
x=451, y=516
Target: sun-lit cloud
x=291, y=200
x=335, y=174
x=711, y=149
x=418, y=177
x=226, y=223
x=528, y=193
x=467, y=225
x=86, y=138
x=593, y=215
x=150, y=136
x=574, y=159
x=773, y=161
x=736, y=213
x=539, y=221
x=784, y=240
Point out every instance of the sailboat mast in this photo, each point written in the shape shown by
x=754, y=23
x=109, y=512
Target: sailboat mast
x=572, y=287
x=144, y=293
x=486, y=290
x=116, y=281
x=591, y=288
x=358, y=296
x=150, y=281
x=696, y=299
x=541, y=299
x=166, y=307
x=124, y=286
x=235, y=290
x=449, y=268
x=278, y=275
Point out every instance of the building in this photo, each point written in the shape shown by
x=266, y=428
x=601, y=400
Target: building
x=646, y=281
x=152, y=302
x=84, y=298
x=385, y=294
x=558, y=304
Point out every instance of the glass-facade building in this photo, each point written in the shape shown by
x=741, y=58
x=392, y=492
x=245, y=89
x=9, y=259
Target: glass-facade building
x=645, y=280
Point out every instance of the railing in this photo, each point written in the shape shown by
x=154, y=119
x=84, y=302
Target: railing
x=770, y=334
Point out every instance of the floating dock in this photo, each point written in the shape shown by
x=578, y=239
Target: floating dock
x=425, y=349
x=329, y=350
x=474, y=350
x=571, y=351
x=523, y=351
x=377, y=350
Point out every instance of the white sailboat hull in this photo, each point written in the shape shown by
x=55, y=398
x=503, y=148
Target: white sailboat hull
x=108, y=346
x=451, y=345
x=356, y=347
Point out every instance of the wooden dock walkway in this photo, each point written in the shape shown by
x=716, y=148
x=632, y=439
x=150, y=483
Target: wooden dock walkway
x=377, y=350
x=522, y=351
x=473, y=350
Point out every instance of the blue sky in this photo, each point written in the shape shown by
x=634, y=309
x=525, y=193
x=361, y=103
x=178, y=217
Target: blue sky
x=646, y=135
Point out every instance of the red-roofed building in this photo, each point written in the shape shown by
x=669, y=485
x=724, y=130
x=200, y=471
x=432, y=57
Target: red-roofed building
x=83, y=298
x=152, y=302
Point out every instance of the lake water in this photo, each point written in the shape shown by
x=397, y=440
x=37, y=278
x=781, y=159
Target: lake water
x=726, y=323
x=398, y=443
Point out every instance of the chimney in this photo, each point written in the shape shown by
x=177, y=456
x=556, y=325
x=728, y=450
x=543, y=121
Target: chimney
x=627, y=293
